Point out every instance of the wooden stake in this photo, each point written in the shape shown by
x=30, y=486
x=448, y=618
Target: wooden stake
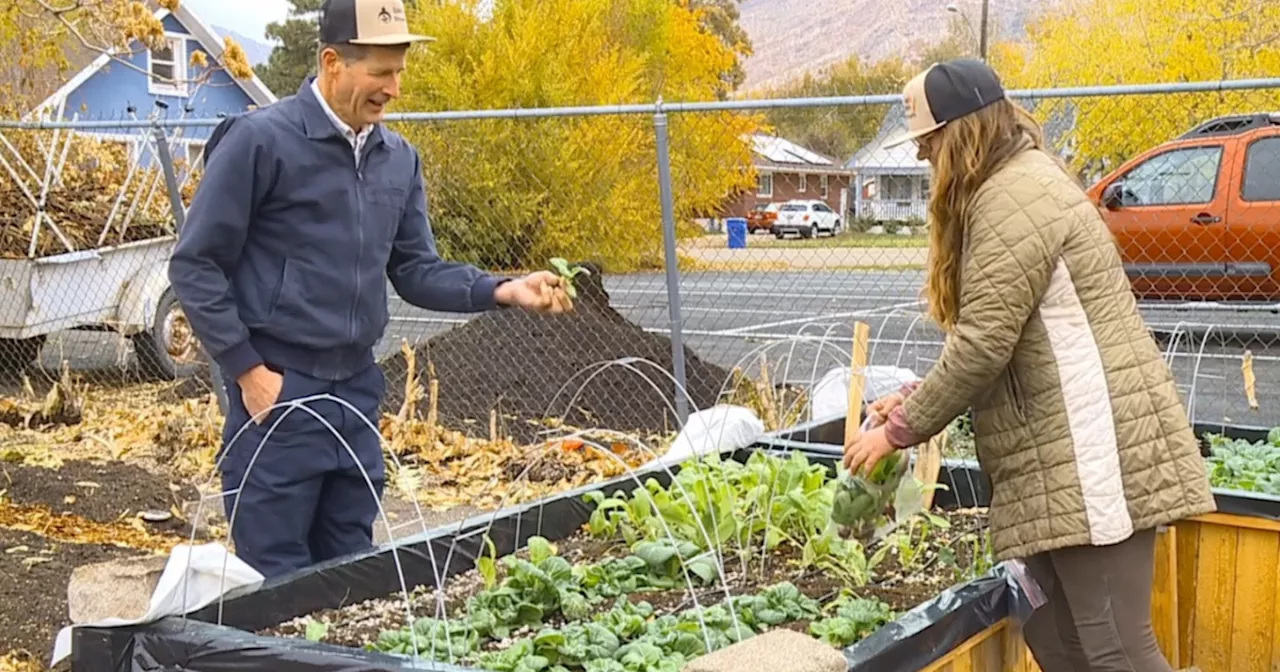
x=928, y=463
x=857, y=381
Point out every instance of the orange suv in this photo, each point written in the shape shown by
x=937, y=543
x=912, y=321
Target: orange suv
x=1198, y=218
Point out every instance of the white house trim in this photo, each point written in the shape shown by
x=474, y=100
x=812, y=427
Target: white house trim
x=177, y=88
x=199, y=31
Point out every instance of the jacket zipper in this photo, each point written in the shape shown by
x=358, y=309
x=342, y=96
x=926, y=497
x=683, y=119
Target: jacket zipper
x=1015, y=391
x=355, y=301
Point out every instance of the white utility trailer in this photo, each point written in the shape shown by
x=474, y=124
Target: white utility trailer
x=121, y=288
x=124, y=289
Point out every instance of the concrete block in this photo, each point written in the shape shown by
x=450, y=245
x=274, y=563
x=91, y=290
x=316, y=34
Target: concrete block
x=775, y=651
x=113, y=589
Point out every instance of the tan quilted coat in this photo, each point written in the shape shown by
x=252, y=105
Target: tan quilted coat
x=1077, y=420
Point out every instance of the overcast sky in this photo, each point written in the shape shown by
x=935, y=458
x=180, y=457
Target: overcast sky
x=247, y=17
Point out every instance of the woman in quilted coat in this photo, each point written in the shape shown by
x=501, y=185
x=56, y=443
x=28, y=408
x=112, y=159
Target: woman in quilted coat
x=1076, y=417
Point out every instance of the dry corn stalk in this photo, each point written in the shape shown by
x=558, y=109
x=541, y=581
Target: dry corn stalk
x=766, y=396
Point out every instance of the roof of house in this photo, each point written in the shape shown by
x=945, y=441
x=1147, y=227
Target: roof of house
x=199, y=30
x=783, y=155
x=900, y=160
x=873, y=158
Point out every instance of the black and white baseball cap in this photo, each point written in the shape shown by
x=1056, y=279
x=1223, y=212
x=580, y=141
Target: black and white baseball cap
x=376, y=22
x=945, y=92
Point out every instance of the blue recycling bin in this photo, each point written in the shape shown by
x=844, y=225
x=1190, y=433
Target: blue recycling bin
x=737, y=227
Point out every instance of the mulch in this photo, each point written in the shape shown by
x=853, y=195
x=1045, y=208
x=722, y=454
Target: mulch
x=529, y=367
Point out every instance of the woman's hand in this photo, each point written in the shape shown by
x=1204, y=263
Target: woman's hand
x=866, y=450
x=878, y=411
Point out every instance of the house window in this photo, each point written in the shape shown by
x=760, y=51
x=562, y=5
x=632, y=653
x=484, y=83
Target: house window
x=195, y=155
x=804, y=183
x=896, y=188
x=822, y=185
x=925, y=186
x=168, y=67
x=765, y=185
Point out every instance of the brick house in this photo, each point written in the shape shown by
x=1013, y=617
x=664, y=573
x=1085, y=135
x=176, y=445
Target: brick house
x=786, y=171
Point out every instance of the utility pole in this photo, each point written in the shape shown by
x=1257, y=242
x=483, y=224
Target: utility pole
x=982, y=42
x=982, y=29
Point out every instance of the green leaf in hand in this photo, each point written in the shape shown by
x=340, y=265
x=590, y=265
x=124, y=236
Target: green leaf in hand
x=568, y=273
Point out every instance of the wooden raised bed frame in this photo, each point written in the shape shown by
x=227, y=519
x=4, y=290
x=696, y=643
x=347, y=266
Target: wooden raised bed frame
x=1215, y=603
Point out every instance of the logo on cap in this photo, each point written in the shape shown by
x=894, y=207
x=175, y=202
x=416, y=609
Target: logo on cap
x=384, y=16
x=909, y=102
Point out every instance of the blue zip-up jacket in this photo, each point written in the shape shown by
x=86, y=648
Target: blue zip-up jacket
x=287, y=247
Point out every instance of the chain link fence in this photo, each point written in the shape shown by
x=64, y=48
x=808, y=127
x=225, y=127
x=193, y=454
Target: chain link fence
x=701, y=225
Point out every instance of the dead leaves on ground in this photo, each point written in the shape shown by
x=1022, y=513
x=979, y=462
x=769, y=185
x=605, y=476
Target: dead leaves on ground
x=71, y=529
x=441, y=467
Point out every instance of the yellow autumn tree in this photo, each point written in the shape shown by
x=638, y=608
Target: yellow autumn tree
x=510, y=193
x=40, y=41
x=1104, y=42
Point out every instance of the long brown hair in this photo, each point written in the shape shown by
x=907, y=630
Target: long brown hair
x=965, y=154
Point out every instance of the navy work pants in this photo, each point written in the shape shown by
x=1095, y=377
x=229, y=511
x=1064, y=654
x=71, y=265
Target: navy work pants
x=305, y=499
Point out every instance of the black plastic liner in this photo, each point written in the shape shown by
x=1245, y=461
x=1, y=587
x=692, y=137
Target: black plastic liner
x=968, y=486
x=922, y=636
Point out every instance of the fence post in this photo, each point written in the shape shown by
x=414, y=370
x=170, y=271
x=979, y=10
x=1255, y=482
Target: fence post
x=170, y=179
x=672, y=261
x=179, y=219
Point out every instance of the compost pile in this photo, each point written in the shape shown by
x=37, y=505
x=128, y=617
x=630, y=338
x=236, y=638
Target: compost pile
x=81, y=196
x=516, y=362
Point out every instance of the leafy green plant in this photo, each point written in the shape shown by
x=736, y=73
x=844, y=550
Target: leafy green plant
x=568, y=274
x=911, y=543
x=445, y=638
x=860, y=501
x=316, y=630
x=666, y=559
x=850, y=619
x=844, y=558
x=1235, y=464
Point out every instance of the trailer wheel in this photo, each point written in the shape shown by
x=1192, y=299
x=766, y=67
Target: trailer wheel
x=170, y=345
x=18, y=353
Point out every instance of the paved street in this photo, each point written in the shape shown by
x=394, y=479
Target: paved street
x=729, y=317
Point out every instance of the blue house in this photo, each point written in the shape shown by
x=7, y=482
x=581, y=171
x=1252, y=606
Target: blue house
x=141, y=83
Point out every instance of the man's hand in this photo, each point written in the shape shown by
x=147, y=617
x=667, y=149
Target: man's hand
x=542, y=292
x=260, y=389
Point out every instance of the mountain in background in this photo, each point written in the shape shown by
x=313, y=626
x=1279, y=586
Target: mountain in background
x=792, y=37
x=257, y=52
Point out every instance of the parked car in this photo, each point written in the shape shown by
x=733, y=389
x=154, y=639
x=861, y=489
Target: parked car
x=762, y=217
x=1198, y=218
x=808, y=219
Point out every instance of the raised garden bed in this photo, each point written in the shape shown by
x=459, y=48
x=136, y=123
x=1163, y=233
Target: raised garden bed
x=1216, y=594
x=599, y=579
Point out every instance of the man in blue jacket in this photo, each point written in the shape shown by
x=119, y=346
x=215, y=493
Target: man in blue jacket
x=307, y=207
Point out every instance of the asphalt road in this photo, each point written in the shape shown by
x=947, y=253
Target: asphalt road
x=801, y=321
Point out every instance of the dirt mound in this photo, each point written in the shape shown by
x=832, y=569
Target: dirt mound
x=516, y=362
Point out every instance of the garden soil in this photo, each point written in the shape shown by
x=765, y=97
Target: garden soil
x=519, y=363
x=34, y=571
x=52, y=521
x=101, y=492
